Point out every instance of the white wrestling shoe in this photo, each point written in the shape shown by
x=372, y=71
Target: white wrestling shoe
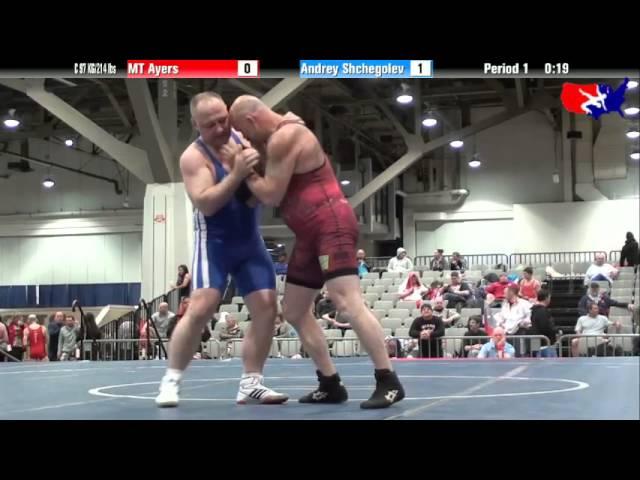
x=253, y=391
x=169, y=393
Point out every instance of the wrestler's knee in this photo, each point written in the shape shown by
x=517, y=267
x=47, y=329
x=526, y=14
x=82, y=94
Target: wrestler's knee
x=202, y=305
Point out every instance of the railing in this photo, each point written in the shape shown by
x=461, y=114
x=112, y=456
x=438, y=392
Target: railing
x=446, y=347
x=112, y=349
x=614, y=256
x=378, y=262
x=549, y=258
x=490, y=260
x=127, y=326
x=603, y=345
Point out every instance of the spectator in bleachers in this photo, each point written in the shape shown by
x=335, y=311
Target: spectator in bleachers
x=206, y=335
x=182, y=308
x=428, y=330
x=599, y=270
x=53, y=330
x=529, y=286
x=229, y=328
x=281, y=265
x=457, y=262
x=162, y=318
x=15, y=333
x=4, y=341
x=449, y=316
x=602, y=299
x=515, y=314
x=629, y=255
x=456, y=292
x=148, y=339
x=363, y=266
x=183, y=284
x=433, y=292
x=394, y=347
x=67, y=339
x=337, y=320
x=437, y=263
x=400, y=263
x=497, y=347
x=412, y=289
x=283, y=329
x=595, y=324
x=471, y=348
x=542, y=323
x=498, y=289
x=324, y=305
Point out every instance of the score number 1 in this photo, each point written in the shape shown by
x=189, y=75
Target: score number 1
x=421, y=68
x=248, y=68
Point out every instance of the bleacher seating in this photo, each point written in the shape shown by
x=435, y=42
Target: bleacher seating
x=392, y=275
x=402, y=331
x=406, y=304
x=398, y=312
x=564, y=268
x=391, y=297
x=383, y=305
x=379, y=289
x=229, y=308
x=392, y=322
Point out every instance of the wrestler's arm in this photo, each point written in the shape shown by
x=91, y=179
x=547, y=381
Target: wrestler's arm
x=252, y=201
x=199, y=181
x=282, y=152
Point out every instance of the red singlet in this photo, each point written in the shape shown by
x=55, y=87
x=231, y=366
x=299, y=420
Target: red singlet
x=37, y=349
x=326, y=228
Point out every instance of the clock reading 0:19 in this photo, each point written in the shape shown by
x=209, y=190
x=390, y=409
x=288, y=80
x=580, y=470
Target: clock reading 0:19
x=556, y=68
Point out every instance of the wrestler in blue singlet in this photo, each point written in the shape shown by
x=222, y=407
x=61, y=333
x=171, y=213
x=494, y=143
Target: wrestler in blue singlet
x=229, y=241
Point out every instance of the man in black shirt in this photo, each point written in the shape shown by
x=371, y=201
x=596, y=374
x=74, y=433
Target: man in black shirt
x=604, y=301
x=428, y=329
x=542, y=323
x=629, y=254
x=456, y=292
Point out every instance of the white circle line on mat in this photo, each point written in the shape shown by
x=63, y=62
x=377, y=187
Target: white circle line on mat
x=574, y=385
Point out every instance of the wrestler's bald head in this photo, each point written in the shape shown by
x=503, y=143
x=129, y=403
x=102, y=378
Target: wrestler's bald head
x=245, y=105
x=250, y=116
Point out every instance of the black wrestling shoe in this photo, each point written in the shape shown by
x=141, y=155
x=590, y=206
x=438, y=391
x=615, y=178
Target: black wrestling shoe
x=388, y=390
x=330, y=390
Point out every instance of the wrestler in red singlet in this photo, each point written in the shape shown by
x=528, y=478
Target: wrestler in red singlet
x=36, y=342
x=326, y=228
x=298, y=178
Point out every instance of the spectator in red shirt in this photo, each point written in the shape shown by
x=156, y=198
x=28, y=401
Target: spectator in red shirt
x=529, y=286
x=4, y=341
x=16, y=332
x=498, y=289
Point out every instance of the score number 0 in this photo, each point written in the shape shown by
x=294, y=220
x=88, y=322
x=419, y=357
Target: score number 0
x=248, y=68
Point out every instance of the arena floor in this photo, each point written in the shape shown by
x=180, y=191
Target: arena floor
x=583, y=388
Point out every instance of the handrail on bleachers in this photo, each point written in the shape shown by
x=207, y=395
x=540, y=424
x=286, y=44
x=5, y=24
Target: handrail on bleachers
x=589, y=342
x=550, y=258
x=490, y=260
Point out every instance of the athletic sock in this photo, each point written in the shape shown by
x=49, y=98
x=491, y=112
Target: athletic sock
x=173, y=374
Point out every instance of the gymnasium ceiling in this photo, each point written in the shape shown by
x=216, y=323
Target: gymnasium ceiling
x=349, y=107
